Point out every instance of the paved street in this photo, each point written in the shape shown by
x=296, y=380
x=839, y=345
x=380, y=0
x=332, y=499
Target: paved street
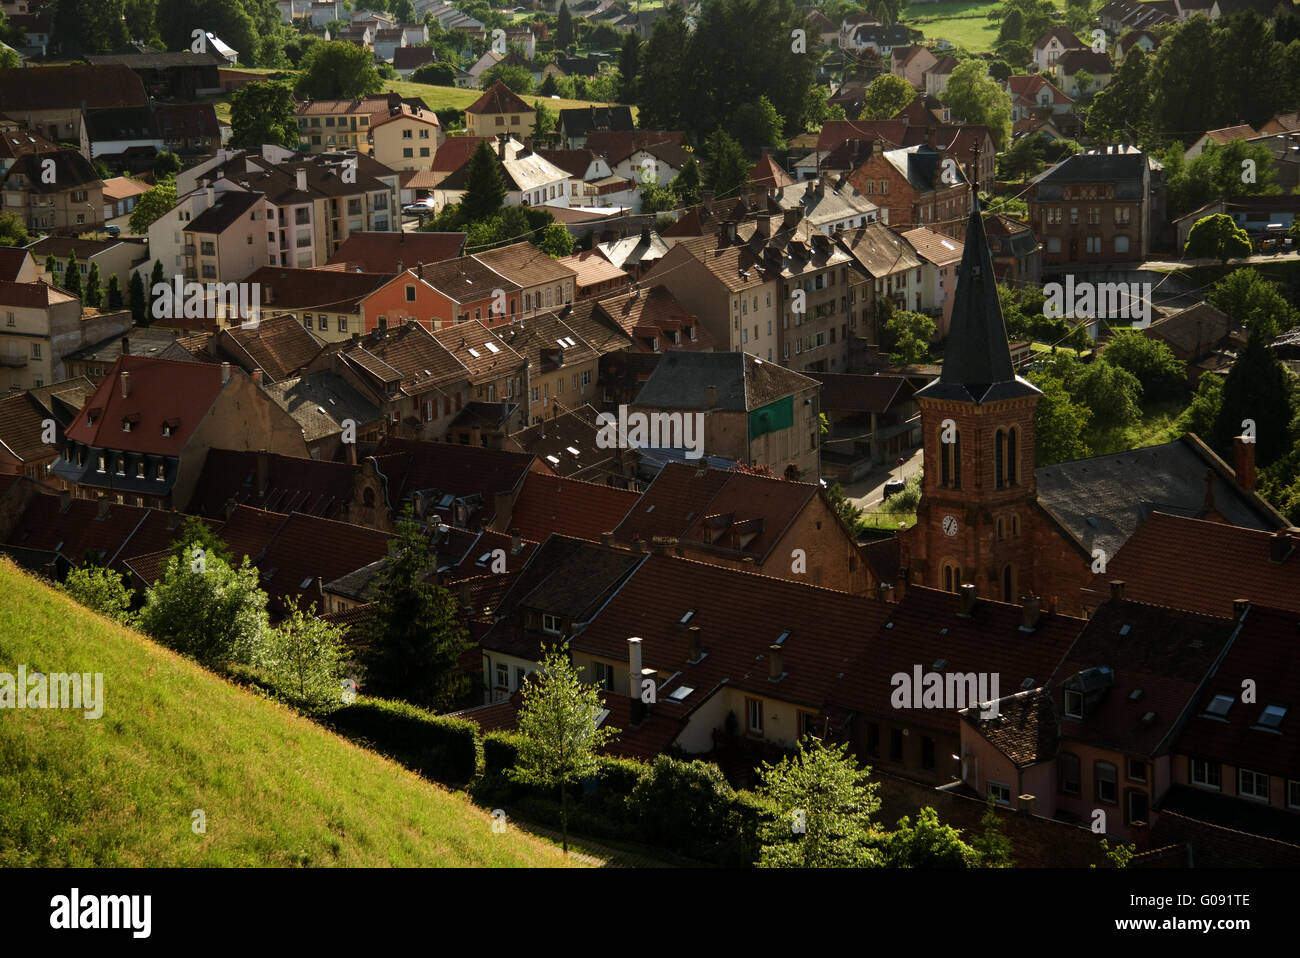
x=869, y=491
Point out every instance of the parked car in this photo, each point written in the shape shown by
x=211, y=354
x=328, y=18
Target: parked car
x=113, y=230
x=893, y=486
x=419, y=207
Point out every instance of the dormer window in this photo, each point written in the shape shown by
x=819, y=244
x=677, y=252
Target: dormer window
x=161, y=473
x=139, y=469
x=552, y=624
x=1218, y=707
x=1272, y=718
x=102, y=463
x=121, y=465
x=1073, y=704
x=169, y=427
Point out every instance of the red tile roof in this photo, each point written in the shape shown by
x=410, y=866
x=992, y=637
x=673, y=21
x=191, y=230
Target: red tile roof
x=571, y=507
x=309, y=486
x=79, y=533
x=161, y=391
x=72, y=87
x=452, y=468
x=499, y=98
x=455, y=152
x=307, y=550
x=21, y=425
x=279, y=346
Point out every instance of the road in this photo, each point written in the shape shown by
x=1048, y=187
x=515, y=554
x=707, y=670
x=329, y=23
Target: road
x=869, y=491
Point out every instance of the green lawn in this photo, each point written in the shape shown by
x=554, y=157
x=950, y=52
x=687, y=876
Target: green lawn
x=964, y=23
x=276, y=789
x=1159, y=424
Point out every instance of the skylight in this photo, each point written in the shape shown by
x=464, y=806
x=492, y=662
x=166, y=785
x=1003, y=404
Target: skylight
x=1219, y=706
x=492, y=347
x=305, y=583
x=679, y=694
x=687, y=617
x=571, y=450
x=473, y=352
x=1272, y=717
x=939, y=665
x=554, y=460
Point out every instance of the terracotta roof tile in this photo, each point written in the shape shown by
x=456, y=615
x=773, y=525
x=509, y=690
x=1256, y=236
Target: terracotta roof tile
x=389, y=253
x=569, y=507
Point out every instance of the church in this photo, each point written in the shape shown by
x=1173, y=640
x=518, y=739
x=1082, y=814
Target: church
x=989, y=518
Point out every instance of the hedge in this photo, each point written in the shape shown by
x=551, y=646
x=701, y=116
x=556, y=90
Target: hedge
x=439, y=748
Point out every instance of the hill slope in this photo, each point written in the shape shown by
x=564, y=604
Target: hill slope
x=275, y=788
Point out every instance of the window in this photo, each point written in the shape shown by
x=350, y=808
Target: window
x=1206, y=773
x=1074, y=216
x=1121, y=244
x=10, y=318
x=1137, y=770
x=927, y=752
x=754, y=709
x=36, y=350
x=1104, y=772
x=950, y=461
x=1094, y=215
x=1073, y=704
x=1122, y=215
x=307, y=320
x=896, y=744
x=343, y=324
x=1252, y=784
x=1067, y=773
x=1094, y=244
x=410, y=294
x=1000, y=793
x=503, y=675
x=873, y=739
x=1293, y=794
x=604, y=675
x=101, y=464
x=408, y=153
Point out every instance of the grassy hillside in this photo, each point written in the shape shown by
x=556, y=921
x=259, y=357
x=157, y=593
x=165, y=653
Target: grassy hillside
x=964, y=22
x=276, y=789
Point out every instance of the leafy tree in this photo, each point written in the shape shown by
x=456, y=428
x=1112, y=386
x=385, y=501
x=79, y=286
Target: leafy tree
x=205, y=608
x=1021, y=160
x=166, y=164
x=138, y=299
x=1113, y=394
x=1256, y=389
x=564, y=27
x=439, y=74
x=664, y=83
x=1059, y=424
x=89, y=26
x=72, y=275
x=757, y=125
x=485, y=184
x=1217, y=237
x=686, y=185
x=304, y=657
x=1084, y=81
x=1119, y=856
x=906, y=337
x=113, y=293
x=516, y=77
x=403, y=11
x=999, y=70
x=155, y=277
x=657, y=199
x=1078, y=13
x=823, y=805
x=197, y=534
x=101, y=590
x=13, y=232
x=1013, y=25
x=992, y=849
x=1120, y=112
x=885, y=96
x=728, y=173
x=240, y=23
x=263, y=113
x=1153, y=364
x=556, y=241
x=9, y=59
x=157, y=202
x=927, y=844
x=559, y=738
x=1217, y=174
x=544, y=120
x=975, y=98
x=416, y=636
x=94, y=295
x=1204, y=409
x=338, y=70
x=52, y=269
x=1253, y=301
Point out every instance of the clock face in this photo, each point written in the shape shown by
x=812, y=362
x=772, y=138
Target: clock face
x=950, y=525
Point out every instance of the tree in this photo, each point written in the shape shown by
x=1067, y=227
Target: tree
x=823, y=803
x=686, y=185
x=52, y=269
x=94, y=296
x=1113, y=394
x=564, y=27
x=240, y=23
x=1222, y=171
x=886, y=95
x=1059, y=424
x=906, y=337
x=403, y=11
x=992, y=849
x=559, y=737
x=1204, y=409
x=263, y=113
x=72, y=276
x=728, y=173
x=166, y=164
x=416, y=636
x=1021, y=160
x=1256, y=389
x=556, y=241
x=975, y=98
x=516, y=77
x=113, y=294
x=9, y=59
x=1120, y=112
x=304, y=657
x=1254, y=302
x=1084, y=81
x=927, y=844
x=657, y=199
x=13, y=232
x=157, y=202
x=664, y=82
x=438, y=74
x=89, y=26
x=208, y=609
x=155, y=278
x=757, y=125
x=338, y=70
x=629, y=65
x=1162, y=375
x=544, y=120
x=138, y=300
x=485, y=184
x=101, y=590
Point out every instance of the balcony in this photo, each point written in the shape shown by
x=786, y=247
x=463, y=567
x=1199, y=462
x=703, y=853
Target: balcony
x=13, y=361
x=189, y=249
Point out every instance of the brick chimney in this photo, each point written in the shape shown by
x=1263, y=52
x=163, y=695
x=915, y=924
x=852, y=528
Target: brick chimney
x=697, y=649
x=1117, y=590
x=776, y=662
x=1243, y=456
x=1031, y=611
x=124, y=378
x=968, y=597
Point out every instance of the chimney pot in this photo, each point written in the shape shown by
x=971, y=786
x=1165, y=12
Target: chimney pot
x=1032, y=609
x=640, y=547
x=125, y=378
x=225, y=372
x=776, y=662
x=968, y=596
x=607, y=538
x=1239, y=607
x=257, y=376
x=1243, y=454
x=1025, y=804
x=697, y=649
x=1116, y=590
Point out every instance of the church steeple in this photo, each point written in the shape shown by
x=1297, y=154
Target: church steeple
x=977, y=358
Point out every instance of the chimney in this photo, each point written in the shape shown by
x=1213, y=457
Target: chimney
x=383, y=326
x=1025, y=804
x=1239, y=607
x=125, y=378
x=231, y=506
x=102, y=503
x=1243, y=455
x=301, y=176
x=212, y=197
x=516, y=542
x=501, y=146
x=968, y=597
x=931, y=137
x=463, y=593
x=776, y=663
x=1116, y=590
x=65, y=500
x=711, y=391
x=697, y=649
x=351, y=453
x=225, y=372
x=607, y=538
x=664, y=545
x=634, y=678
x=1031, y=610
x=263, y=471
x=639, y=547
x=257, y=376
x=1279, y=546
x=904, y=579
x=126, y=345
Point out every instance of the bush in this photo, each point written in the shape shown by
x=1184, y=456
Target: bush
x=500, y=751
x=439, y=748
x=683, y=805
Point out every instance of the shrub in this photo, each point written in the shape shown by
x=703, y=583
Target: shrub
x=683, y=805
x=500, y=751
x=439, y=748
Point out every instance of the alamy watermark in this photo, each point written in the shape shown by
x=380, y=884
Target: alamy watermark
x=945, y=690
x=75, y=911
x=1131, y=301
x=58, y=690
x=652, y=430
x=190, y=300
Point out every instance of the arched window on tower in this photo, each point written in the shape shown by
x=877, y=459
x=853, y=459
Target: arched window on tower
x=1012, y=444
x=950, y=461
x=999, y=458
x=950, y=578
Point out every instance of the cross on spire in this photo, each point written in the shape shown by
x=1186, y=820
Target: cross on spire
x=975, y=167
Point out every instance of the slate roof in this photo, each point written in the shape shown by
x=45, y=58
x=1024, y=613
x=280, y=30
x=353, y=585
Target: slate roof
x=878, y=250
x=1102, y=501
x=279, y=346
x=228, y=209
x=553, y=439
x=71, y=87
x=581, y=121
x=743, y=381
x=852, y=392
x=1025, y=729
x=320, y=401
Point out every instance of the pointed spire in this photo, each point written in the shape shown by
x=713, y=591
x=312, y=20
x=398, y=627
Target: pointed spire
x=977, y=358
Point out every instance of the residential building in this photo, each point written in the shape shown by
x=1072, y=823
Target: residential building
x=40, y=325
x=530, y=179
x=939, y=256
x=1051, y=46
x=55, y=192
x=574, y=126
x=394, y=252
x=911, y=63
x=1073, y=64
x=113, y=257
x=499, y=110
x=544, y=283
x=406, y=139
x=55, y=101
x=1035, y=95
x=915, y=186
x=828, y=204
x=440, y=295
x=121, y=193
x=562, y=366
x=325, y=303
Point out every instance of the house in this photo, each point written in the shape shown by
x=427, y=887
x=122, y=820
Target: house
x=188, y=128
x=322, y=402
x=566, y=507
x=1242, y=131
x=642, y=156
x=939, y=256
x=596, y=277
x=442, y=295
x=24, y=421
x=121, y=193
x=42, y=325
x=911, y=63
x=55, y=101
x=145, y=433
x=498, y=110
x=1073, y=64
x=1119, y=16
x=879, y=39
x=408, y=59
x=543, y=282
x=591, y=181
x=276, y=349
x=1035, y=95
x=394, y=252
x=888, y=269
x=751, y=411
x=562, y=366
x=873, y=420
x=407, y=138
x=325, y=305
x=935, y=79
x=918, y=186
x=530, y=179
x=113, y=257
x=1194, y=333
x=95, y=361
x=568, y=443
x=655, y=321
x=1251, y=213
x=329, y=125
x=172, y=76
x=1051, y=46
x=828, y=204
x=1144, y=40
x=634, y=254
x=57, y=192
x=574, y=126
x=1098, y=207
x=1014, y=248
